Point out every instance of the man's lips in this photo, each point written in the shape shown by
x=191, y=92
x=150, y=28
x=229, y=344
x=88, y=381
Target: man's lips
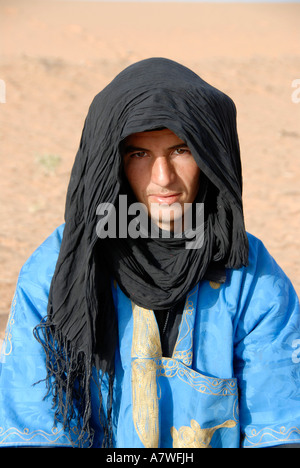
x=168, y=198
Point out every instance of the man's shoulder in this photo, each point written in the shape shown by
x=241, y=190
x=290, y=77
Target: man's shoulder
x=255, y=244
x=39, y=267
x=262, y=271
x=260, y=258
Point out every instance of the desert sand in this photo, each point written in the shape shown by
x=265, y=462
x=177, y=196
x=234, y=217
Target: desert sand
x=56, y=55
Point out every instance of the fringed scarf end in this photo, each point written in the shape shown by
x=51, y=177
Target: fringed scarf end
x=68, y=381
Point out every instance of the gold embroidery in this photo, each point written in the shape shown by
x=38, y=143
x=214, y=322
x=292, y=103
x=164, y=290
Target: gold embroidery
x=146, y=340
x=185, y=356
x=256, y=438
x=201, y=383
x=145, y=401
x=185, y=335
x=56, y=436
x=194, y=436
x=214, y=285
x=145, y=346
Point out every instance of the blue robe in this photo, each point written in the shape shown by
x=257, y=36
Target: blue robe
x=233, y=379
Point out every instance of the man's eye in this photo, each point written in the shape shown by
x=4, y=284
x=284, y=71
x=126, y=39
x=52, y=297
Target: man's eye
x=139, y=154
x=180, y=151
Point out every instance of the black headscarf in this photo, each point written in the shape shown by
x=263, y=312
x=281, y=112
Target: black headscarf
x=80, y=330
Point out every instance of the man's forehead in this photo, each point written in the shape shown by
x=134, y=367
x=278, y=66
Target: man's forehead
x=161, y=136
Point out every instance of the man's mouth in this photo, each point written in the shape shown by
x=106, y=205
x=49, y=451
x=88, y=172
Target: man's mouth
x=164, y=199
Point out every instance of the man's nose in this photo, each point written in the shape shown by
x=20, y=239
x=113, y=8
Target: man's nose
x=163, y=172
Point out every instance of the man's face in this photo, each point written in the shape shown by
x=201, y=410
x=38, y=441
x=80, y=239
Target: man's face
x=161, y=170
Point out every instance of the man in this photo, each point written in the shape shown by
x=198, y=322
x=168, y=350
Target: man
x=181, y=336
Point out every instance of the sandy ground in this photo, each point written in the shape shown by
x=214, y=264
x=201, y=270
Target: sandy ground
x=56, y=55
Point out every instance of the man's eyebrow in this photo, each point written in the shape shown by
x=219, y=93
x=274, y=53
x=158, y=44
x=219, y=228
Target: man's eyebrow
x=179, y=145
x=131, y=148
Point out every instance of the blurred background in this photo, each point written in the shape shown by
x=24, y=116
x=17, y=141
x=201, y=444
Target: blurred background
x=55, y=55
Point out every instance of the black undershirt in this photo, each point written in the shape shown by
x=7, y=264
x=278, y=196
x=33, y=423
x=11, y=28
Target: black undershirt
x=168, y=321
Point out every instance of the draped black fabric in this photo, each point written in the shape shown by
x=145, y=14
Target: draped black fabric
x=80, y=330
